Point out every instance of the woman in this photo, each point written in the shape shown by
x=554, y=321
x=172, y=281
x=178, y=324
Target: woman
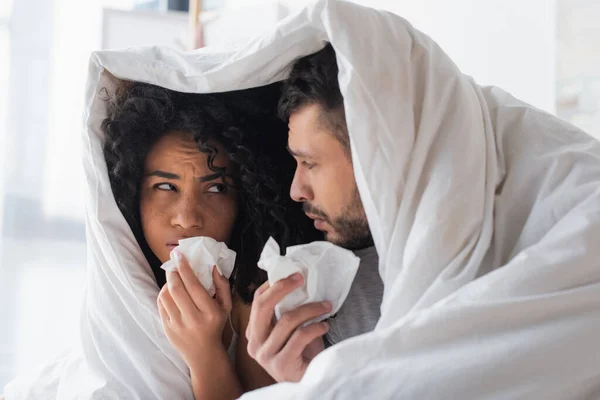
x=185, y=165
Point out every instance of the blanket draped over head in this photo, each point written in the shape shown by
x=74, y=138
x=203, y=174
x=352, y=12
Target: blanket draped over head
x=485, y=213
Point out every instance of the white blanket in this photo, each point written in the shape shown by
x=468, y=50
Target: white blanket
x=485, y=213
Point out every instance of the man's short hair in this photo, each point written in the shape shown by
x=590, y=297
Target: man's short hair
x=314, y=80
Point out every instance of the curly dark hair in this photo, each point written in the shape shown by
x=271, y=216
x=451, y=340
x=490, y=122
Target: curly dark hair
x=314, y=80
x=245, y=123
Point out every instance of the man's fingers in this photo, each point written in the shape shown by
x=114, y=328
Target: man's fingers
x=263, y=306
x=313, y=349
x=289, y=322
x=261, y=289
x=222, y=290
x=300, y=339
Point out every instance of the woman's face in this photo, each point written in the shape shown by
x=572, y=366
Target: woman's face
x=180, y=197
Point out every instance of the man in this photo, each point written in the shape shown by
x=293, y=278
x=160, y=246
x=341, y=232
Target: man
x=324, y=182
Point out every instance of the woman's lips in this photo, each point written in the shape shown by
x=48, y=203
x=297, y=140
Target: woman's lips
x=175, y=242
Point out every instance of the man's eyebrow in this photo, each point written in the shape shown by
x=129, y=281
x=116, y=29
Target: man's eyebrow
x=297, y=153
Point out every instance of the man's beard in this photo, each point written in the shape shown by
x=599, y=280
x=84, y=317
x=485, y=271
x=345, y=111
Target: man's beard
x=351, y=225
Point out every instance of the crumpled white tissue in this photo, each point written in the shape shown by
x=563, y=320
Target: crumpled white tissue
x=328, y=272
x=203, y=253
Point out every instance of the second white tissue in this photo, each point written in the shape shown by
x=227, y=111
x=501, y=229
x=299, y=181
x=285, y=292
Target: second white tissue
x=328, y=272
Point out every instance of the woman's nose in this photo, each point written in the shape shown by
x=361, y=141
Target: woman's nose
x=187, y=214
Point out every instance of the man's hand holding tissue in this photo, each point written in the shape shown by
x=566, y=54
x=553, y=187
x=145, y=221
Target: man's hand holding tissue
x=192, y=319
x=284, y=348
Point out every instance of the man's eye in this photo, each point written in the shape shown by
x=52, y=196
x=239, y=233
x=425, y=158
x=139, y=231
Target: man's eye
x=165, y=187
x=307, y=165
x=218, y=188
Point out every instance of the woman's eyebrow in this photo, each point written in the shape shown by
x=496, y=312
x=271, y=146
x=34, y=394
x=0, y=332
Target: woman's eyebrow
x=163, y=174
x=208, y=178
x=170, y=175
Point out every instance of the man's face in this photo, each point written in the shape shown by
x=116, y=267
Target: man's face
x=324, y=180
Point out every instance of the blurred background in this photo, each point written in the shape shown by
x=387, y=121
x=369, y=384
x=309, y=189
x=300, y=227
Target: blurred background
x=546, y=52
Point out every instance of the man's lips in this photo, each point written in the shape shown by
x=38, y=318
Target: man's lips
x=312, y=216
x=320, y=222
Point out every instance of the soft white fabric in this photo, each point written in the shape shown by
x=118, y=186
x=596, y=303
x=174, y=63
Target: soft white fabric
x=485, y=213
x=328, y=272
x=204, y=253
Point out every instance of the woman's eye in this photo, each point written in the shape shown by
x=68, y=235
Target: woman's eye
x=218, y=188
x=165, y=186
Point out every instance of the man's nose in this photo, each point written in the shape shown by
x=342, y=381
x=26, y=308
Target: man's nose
x=300, y=190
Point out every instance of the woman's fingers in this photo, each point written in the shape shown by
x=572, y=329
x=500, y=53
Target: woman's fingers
x=222, y=290
x=198, y=294
x=179, y=293
x=164, y=316
x=166, y=301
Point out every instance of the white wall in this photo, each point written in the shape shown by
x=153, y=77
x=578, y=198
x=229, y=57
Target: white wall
x=578, y=64
x=74, y=40
x=4, y=65
x=506, y=43
x=127, y=28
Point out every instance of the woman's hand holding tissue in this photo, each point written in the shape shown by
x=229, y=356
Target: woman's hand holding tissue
x=192, y=319
x=284, y=348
